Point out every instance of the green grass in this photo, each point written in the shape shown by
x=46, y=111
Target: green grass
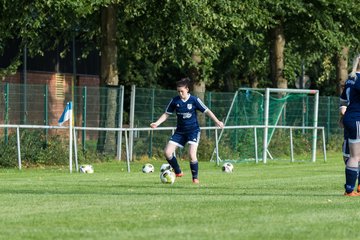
x=279, y=200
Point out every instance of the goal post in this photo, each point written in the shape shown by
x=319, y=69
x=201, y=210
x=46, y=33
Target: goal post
x=277, y=117
x=266, y=116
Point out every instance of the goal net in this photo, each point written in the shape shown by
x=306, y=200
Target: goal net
x=286, y=118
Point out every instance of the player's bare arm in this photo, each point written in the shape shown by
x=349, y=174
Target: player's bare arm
x=161, y=119
x=214, y=118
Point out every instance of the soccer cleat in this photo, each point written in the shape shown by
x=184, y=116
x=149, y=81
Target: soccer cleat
x=352, y=194
x=179, y=174
x=196, y=181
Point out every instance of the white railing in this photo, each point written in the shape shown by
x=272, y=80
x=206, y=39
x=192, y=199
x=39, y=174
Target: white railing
x=129, y=145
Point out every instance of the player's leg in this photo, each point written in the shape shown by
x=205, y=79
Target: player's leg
x=352, y=166
x=176, y=141
x=346, y=151
x=194, y=164
x=170, y=157
x=345, y=147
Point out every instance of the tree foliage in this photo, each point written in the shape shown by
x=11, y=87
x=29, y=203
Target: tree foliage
x=158, y=40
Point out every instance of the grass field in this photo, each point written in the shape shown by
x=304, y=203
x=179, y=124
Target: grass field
x=279, y=200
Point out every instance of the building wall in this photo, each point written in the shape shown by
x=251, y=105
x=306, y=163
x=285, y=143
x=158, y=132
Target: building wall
x=28, y=105
x=34, y=77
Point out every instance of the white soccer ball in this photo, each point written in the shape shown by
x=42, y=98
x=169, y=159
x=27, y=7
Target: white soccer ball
x=227, y=168
x=86, y=169
x=165, y=167
x=148, y=168
x=167, y=176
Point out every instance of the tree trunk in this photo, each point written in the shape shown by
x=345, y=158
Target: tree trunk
x=230, y=83
x=108, y=77
x=199, y=85
x=342, y=69
x=199, y=90
x=277, y=57
x=253, y=80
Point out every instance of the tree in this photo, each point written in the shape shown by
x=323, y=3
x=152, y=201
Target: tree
x=108, y=76
x=40, y=26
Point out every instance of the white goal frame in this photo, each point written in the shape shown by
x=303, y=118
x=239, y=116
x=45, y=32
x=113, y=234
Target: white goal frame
x=266, y=117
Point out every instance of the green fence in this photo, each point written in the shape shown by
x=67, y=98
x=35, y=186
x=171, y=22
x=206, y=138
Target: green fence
x=244, y=107
x=42, y=105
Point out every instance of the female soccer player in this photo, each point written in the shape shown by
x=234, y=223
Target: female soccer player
x=187, y=130
x=351, y=123
x=344, y=102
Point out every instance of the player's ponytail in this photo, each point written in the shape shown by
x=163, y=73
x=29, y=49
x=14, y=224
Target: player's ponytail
x=355, y=67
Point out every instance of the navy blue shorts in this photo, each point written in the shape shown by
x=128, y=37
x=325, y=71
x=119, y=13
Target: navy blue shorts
x=352, y=129
x=180, y=139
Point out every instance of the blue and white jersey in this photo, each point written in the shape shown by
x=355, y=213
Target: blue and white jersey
x=186, y=112
x=345, y=95
x=353, y=97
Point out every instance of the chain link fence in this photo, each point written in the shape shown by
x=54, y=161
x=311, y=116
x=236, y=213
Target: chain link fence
x=43, y=105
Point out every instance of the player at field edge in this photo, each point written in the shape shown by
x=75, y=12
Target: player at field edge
x=344, y=101
x=187, y=130
x=351, y=122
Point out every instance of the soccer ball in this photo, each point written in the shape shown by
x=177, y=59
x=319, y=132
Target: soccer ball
x=227, y=168
x=86, y=169
x=167, y=176
x=166, y=166
x=148, y=168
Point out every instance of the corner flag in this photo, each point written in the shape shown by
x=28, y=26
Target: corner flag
x=65, y=116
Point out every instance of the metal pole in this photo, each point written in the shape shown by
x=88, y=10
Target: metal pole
x=127, y=152
x=75, y=151
x=84, y=96
x=209, y=121
x=324, y=144
x=131, y=118
x=256, y=148
x=291, y=147
x=70, y=136
x=18, y=147
x=217, y=147
x=24, y=86
x=307, y=112
x=328, y=115
x=120, y=123
x=6, y=115
x=266, y=123
x=303, y=111
x=316, y=111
